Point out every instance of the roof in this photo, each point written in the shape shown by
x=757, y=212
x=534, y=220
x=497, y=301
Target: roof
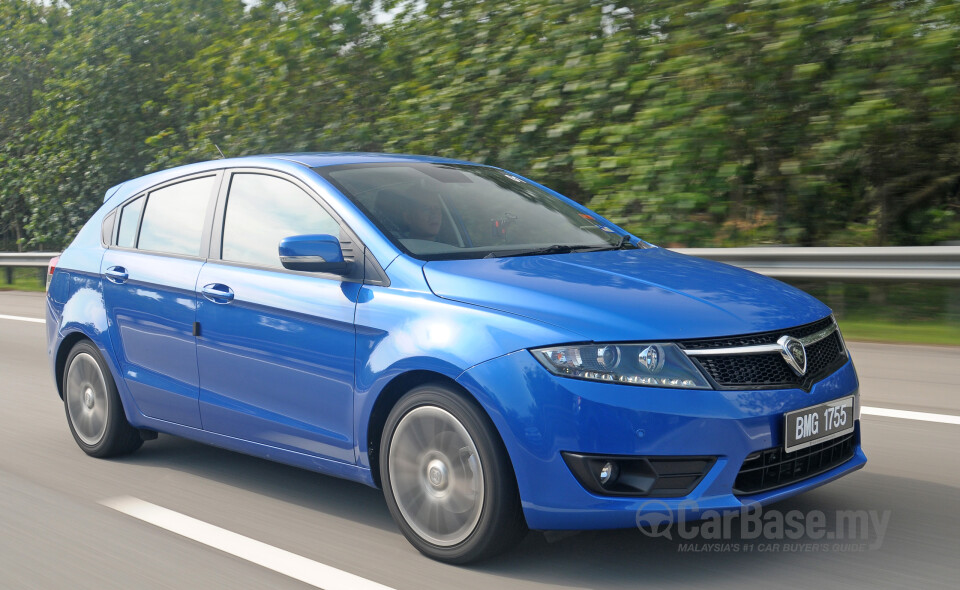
x=308, y=159
x=319, y=159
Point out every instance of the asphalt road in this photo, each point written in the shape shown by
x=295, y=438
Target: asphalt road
x=55, y=533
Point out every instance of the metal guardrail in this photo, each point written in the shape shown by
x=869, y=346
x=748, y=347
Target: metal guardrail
x=11, y=260
x=28, y=259
x=915, y=263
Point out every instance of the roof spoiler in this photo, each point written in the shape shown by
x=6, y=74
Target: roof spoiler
x=112, y=191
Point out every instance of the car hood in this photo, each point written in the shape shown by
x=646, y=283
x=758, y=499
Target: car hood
x=621, y=295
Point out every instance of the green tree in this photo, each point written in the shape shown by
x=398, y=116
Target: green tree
x=105, y=96
x=27, y=31
x=290, y=76
x=697, y=122
x=795, y=122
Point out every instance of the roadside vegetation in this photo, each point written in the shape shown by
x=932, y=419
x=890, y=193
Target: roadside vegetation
x=913, y=313
x=927, y=332
x=691, y=122
x=23, y=279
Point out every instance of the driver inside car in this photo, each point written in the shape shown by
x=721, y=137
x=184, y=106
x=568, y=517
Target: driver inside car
x=422, y=217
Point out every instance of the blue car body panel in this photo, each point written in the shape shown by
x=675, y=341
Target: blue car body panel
x=151, y=317
x=544, y=414
x=282, y=335
x=399, y=331
x=619, y=295
x=239, y=383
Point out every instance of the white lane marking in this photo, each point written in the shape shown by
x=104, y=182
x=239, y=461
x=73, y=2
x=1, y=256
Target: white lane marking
x=910, y=415
x=268, y=556
x=21, y=319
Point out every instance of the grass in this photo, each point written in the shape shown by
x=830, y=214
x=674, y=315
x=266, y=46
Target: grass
x=925, y=332
x=24, y=279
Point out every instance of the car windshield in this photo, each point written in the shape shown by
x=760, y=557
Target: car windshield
x=438, y=211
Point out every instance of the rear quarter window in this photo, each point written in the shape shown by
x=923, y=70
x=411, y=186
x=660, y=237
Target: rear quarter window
x=106, y=229
x=129, y=220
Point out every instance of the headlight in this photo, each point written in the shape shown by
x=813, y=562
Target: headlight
x=654, y=365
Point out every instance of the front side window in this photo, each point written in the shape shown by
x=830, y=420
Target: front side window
x=261, y=211
x=451, y=211
x=174, y=216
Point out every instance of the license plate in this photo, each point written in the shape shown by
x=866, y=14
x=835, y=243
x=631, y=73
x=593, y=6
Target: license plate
x=818, y=423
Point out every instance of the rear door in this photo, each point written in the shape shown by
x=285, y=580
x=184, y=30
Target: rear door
x=276, y=347
x=149, y=289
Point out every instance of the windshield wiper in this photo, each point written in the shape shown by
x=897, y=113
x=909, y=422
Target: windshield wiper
x=554, y=249
x=624, y=242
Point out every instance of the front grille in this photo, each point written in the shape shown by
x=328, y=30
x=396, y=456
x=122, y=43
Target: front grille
x=751, y=370
x=768, y=370
x=759, y=338
x=773, y=468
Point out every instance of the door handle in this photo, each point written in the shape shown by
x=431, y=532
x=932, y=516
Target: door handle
x=116, y=274
x=217, y=293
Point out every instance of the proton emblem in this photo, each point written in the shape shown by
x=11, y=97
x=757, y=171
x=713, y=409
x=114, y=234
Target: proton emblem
x=793, y=352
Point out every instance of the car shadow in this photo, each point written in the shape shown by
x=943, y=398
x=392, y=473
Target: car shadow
x=630, y=558
x=918, y=540
x=282, y=482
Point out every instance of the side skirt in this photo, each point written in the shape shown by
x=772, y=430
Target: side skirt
x=293, y=458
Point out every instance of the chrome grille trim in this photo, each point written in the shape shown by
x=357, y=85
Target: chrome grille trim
x=764, y=348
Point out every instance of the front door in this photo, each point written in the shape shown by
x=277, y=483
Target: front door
x=276, y=347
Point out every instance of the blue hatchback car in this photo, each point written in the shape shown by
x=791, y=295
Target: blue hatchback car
x=491, y=354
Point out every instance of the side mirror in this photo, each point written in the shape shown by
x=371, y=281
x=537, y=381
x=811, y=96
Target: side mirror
x=312, y=253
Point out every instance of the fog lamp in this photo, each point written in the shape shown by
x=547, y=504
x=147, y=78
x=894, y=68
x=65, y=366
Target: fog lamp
x=608, y=473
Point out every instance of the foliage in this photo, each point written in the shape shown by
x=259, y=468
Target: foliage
x=291, y=76
x=24, y=279
x=695, y=122
x=104, y=97
x=27, y=31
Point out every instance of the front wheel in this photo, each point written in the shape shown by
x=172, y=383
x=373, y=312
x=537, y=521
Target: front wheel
x=447, y=479
x=93, y=407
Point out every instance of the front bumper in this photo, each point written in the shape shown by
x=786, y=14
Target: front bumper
x=539, y=415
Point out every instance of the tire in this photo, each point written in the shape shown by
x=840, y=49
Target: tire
x=93, y=407
x=447, y=479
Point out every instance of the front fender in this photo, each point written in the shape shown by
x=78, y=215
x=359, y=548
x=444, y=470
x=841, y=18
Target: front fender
x=400, y=331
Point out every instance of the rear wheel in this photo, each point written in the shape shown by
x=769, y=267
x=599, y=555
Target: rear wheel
x=447, y=479
x=93, y=407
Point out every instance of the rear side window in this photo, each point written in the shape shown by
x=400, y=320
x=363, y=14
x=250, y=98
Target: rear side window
x=173, y=220
x=129, y=218
x=261, y=211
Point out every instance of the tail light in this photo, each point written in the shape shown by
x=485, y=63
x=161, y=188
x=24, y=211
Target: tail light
x=50, y=268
